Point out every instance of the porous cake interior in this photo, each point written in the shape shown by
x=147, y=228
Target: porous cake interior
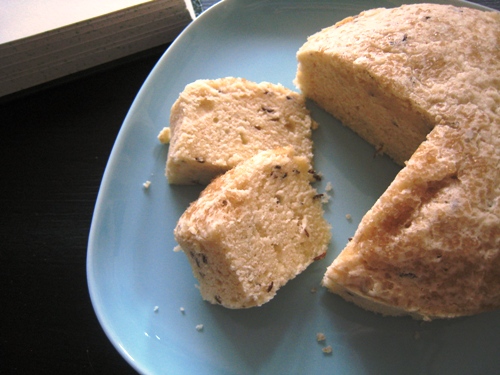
x=217, y=124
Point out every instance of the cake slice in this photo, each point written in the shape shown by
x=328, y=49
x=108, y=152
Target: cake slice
x=254, y=228
x=216, y=124
x=422, y=83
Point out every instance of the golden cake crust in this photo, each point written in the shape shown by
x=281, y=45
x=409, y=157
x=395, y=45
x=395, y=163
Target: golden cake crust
x=430, y=246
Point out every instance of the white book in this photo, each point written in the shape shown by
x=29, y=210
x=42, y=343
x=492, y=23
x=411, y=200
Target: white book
x=43, y=40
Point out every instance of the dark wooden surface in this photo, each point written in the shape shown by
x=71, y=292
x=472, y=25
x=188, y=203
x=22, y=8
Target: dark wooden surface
x=55, y=143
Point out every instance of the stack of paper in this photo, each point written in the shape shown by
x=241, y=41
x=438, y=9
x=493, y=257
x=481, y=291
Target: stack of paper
x=42, y=40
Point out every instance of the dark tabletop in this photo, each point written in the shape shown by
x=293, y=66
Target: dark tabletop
x=55, y=142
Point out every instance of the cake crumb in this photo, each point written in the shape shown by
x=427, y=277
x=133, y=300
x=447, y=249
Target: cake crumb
x=320, y=337
x=327, y=349
x=328, y=186
x=147, y=184
x=325, y=199
x=156, y=309
x=199, y=327
x=164, y=135
x=313, y=290
x=348, y=217
x=177, y=248
x=182, y=310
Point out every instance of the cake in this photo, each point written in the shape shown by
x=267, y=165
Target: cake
x=421, y=83
x=216, y=124
x=254, y=228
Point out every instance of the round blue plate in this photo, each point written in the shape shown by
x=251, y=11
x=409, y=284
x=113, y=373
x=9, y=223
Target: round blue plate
x=139, y=285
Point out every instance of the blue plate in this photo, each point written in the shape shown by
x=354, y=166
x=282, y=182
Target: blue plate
x=138, y=284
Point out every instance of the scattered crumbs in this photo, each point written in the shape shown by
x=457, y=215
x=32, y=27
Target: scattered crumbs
x=313, y=290
x=320, y=337
x=327, y=349
x=164, y=136
x=156, y=309
x=348, y=217
x=147, y=184
x=199, y=327
x=416, y=336
x=182, y=310
x=325, y=198
x=328, y=186
x=177, y=248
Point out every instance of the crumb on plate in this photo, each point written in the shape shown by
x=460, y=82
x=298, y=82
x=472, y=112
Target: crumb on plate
x=320, y=337
x=325, y=198
x=164, y=135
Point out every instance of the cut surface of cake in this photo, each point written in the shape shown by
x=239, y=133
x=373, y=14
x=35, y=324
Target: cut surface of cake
x=253, y=229
x=422, y=83
x=216, y=124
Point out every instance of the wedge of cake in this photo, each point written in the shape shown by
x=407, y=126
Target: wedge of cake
x=254, y=228
x=216, y=124
x=422, y=83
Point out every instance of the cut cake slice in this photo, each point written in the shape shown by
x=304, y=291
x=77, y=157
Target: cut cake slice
x=216, y=124
x=422, y=83
x=253, y=229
